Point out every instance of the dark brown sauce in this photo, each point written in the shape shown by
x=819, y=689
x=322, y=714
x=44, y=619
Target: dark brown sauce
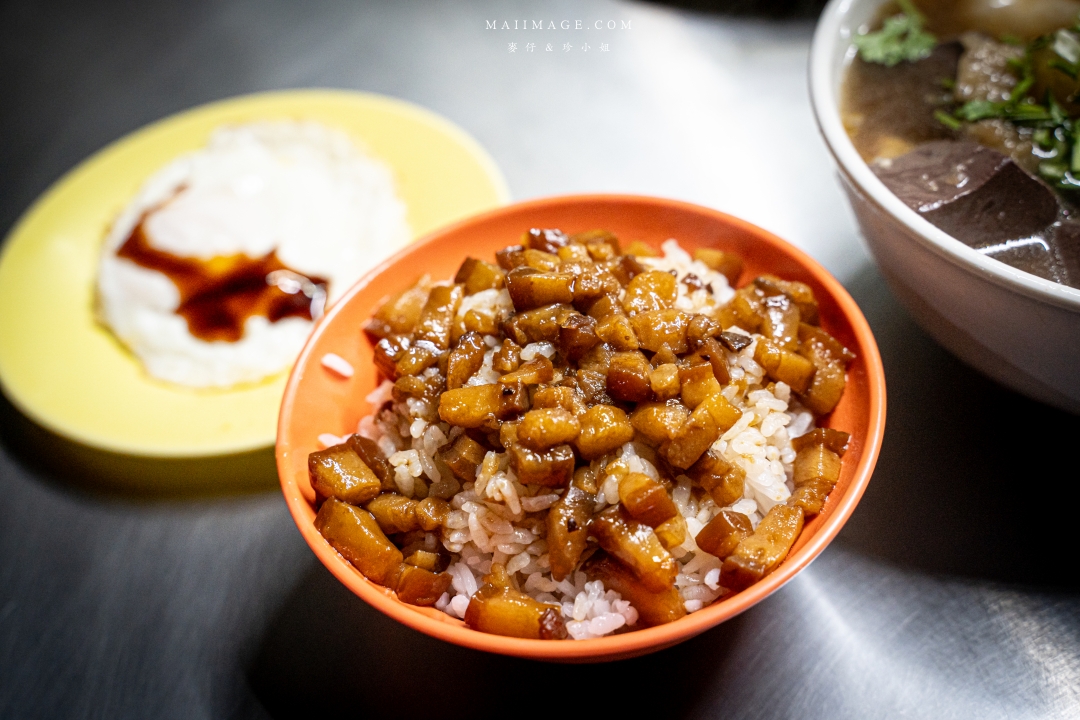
x=217, y=296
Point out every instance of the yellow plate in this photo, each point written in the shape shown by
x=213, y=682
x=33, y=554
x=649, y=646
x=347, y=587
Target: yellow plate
x=68, y=374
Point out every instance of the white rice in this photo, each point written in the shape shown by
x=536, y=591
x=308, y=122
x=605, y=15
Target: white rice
x=329, y=440
x=689, y=299
x=337, y=364
x=532, y=350
x=496, y=519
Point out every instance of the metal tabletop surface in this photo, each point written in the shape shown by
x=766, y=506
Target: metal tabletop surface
x=951, y=593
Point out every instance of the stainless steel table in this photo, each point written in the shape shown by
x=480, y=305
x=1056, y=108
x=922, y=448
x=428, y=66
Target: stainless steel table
x=951, y=593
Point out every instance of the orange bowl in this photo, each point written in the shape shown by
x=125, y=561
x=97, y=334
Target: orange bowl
x=317, y=401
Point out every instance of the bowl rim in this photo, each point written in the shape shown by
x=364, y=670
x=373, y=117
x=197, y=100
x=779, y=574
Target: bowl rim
x=638, y=641
x=824, y=100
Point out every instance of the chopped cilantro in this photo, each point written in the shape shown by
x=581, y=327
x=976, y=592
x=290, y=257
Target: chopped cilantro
x=1044, y=137
x=976, y=110
x=1055, y=134
x=1067, y=68
x=1020, y=90
x=901, y=38
x=947, y=120
x=1058, y=116
x=1067, y=46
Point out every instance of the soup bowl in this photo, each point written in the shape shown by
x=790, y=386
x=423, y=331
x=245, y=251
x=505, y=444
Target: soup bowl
x=318, y=401
x=1019, y=329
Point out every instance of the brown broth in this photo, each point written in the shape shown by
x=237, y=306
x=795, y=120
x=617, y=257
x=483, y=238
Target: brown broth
x=887, y=111
x=217, y=296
